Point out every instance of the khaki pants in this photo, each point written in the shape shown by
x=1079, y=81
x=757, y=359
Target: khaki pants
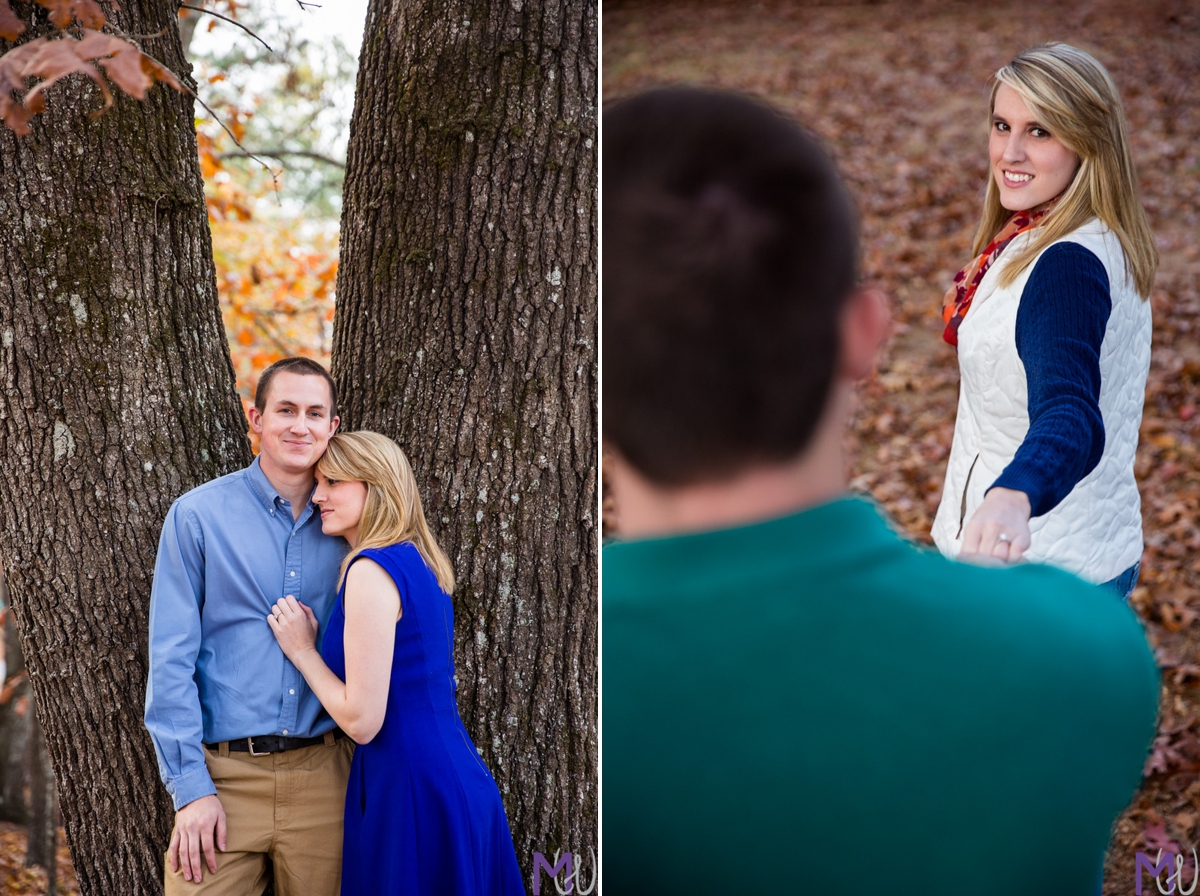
x=288, y=806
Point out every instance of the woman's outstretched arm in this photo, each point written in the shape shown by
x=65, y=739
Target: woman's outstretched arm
x=1060, y=327
x=372, y=608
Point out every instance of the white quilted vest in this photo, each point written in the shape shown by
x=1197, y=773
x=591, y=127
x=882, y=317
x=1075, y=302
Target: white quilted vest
x=1096, y=531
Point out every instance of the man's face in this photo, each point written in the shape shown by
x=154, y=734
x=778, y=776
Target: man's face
x=295, y=426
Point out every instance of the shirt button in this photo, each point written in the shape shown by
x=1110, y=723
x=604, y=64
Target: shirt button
x=285, y=731
x=292, y=573
x=290, y=691
x=272, y=511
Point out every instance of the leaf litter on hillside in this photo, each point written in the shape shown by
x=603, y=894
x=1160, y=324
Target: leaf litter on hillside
x=898, y=93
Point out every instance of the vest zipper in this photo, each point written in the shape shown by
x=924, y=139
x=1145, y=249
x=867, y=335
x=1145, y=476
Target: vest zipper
x=962, y=511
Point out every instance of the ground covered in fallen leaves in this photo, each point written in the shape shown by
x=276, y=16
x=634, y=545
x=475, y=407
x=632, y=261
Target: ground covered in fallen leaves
x=898, y=92
x=17, y=880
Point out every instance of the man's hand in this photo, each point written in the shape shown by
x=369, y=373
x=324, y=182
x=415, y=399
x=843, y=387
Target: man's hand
x=195, y=825
x=295, y=627
x=999, y=528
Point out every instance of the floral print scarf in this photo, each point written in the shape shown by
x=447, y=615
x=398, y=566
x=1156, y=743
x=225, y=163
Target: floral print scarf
x=958, y=297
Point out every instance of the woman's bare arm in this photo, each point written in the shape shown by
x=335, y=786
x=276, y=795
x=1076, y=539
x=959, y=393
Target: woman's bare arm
x=372, y=608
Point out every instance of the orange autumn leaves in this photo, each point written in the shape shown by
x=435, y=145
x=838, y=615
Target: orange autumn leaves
x=48, y=59
x=276, y=292
x=275, y=276
x=275, y=269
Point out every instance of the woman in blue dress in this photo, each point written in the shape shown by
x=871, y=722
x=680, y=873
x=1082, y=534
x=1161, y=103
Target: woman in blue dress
x=423, y=814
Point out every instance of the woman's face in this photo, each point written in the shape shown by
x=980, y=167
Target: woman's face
x=341, y=503
x=1029, y=164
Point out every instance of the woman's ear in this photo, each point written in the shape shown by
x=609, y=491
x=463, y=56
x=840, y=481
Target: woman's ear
x=866, y=322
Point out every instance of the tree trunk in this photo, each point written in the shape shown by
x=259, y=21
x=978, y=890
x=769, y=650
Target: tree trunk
x=116, y=395
x=466, y=329
x=42, y=834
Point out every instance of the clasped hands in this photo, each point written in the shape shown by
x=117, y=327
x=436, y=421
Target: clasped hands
x=294, y=625
x=998, y=530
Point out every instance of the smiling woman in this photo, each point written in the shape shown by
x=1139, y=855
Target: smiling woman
x=385, y=673
x=1030, y=165
x=1055, y=349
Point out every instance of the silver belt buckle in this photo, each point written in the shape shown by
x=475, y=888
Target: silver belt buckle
x=250, y=741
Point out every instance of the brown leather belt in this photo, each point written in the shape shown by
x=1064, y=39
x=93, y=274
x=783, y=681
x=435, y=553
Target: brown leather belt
x=265, y=744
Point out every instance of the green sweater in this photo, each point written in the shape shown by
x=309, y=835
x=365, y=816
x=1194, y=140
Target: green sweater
x=813, y=705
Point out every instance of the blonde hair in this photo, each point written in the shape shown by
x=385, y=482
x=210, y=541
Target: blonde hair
x=392, y=512
x=1072, y=94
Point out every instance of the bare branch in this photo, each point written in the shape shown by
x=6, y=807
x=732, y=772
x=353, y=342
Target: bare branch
x=238, y=143
x=224, y=18
x=285, y=153
x=266, y=331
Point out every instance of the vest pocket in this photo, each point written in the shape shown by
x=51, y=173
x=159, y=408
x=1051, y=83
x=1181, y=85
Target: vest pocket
x=962, y=511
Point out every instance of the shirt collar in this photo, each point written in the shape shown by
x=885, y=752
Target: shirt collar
x=266, y=493
x=839, y=533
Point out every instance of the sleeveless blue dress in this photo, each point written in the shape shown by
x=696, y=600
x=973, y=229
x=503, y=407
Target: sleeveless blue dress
x=423, y=814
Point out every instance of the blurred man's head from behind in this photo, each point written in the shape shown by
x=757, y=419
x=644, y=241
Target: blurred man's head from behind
x=730, y=249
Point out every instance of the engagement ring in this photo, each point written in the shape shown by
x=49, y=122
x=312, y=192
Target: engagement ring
x=1005, y=537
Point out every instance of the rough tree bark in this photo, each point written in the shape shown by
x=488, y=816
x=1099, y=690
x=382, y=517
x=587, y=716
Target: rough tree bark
x=466, y=329
x=116, y=395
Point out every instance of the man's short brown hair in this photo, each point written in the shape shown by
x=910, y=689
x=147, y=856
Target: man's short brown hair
x=730, y=247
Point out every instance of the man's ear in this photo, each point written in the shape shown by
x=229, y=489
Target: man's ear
x=254, y=415
x=333, y=425
x=866, y=321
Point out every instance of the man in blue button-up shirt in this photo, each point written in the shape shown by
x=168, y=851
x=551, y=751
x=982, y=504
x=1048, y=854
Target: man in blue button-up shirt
x=228, y=551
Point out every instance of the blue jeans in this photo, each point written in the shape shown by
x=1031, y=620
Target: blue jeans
x=1123, y=584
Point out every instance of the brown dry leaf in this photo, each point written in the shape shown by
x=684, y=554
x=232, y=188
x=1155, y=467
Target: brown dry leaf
x=86, y=11
x=55, y=60
x=10, y=26
x=11, y=685
x=1185, y=821
x=160, y=72
x=12, y=67
x=1176, y=616
x=128, y=67
x=1172, y=512
x=124, y=67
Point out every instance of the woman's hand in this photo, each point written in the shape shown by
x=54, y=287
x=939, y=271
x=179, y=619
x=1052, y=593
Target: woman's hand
x=999, y=528
x=295, y=627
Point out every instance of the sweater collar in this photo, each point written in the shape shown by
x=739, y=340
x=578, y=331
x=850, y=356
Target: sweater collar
x=826, y=535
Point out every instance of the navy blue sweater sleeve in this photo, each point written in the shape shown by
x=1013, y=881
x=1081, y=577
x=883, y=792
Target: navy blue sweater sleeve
x=1061, y=321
